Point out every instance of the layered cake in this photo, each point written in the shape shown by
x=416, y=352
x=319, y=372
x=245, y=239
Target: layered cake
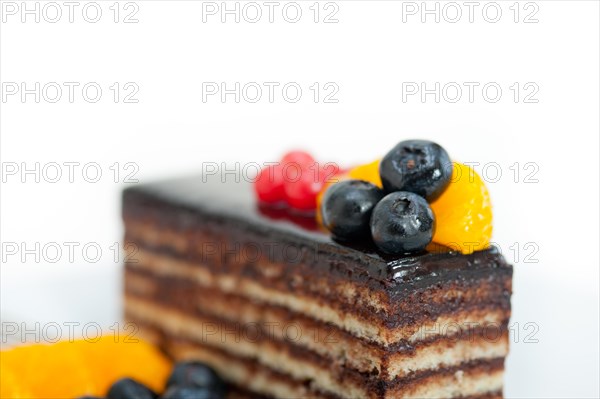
x=280, y=307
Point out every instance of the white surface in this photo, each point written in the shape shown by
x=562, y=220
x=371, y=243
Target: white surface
x=369, y=53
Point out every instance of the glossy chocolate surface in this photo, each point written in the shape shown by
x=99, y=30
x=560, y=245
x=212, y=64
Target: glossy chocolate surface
x=228, y=202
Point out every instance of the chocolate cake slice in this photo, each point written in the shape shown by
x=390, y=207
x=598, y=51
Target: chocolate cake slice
x=281, y=309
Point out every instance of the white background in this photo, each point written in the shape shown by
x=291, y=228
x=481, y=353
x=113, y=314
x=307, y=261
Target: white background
x=373, y=48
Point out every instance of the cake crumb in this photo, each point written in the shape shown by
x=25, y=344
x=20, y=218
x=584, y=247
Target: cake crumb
x=459, y=375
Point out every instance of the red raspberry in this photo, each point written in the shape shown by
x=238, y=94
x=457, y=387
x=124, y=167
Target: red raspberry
x=301, y=193
x=331, y=172
x=269, y=184
x=302, y=158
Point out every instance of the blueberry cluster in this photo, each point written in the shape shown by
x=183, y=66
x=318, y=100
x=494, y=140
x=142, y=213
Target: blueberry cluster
x=397, y=217
x=189, y=380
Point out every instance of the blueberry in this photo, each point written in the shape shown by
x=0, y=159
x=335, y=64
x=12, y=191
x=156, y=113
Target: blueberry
x=346, y=208
x=196, y=375
x=182, y=392
x=417, y=166
x=126, y=388
x=401, y=223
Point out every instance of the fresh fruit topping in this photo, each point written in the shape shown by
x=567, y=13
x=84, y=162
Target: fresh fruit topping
x=464, y=212
x=459, y=201
x=295, y=181
x=347, y=206
x=402, y=223
x=302, y=158
x=368, y=172
x=196, y=375
x=342, y=176
x=182, y=392
x=301, y=193
x=417, y=166
x=269, y=184
x=38, y=371
x=128, y=388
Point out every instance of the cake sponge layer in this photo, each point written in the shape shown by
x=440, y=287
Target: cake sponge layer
x=481, y=295
x=226, y=320
x=474, y=380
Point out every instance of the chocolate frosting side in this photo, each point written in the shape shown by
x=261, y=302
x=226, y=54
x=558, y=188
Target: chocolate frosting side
x=187, y=203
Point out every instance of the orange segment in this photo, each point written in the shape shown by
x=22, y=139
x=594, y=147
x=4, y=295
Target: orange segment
x=72, y=369
x=463, y=212
x=368, y=172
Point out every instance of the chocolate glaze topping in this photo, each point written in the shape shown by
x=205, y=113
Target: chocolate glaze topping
x=228, y=201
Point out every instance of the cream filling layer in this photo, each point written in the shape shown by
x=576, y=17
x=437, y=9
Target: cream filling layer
x=460, y=384
x=238, y=285
x=437, y=355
